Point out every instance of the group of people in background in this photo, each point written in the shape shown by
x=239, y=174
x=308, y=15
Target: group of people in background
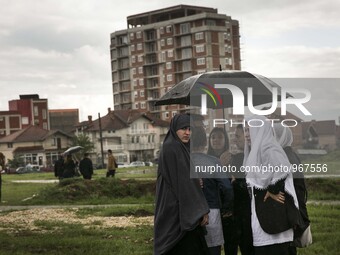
x=66, y=167
x=259, y=212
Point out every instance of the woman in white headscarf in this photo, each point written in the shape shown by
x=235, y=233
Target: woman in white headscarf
x=274, y=203
x=284, y=137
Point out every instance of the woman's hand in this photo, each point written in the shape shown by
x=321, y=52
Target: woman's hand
x=205, y=220
x=280, y=197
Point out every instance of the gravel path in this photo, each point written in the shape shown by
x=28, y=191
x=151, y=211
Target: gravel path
x=27, y=219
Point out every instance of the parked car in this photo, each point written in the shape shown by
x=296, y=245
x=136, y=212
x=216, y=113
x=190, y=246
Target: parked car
x=148, y=163
x=133, y=164
x=28, y=169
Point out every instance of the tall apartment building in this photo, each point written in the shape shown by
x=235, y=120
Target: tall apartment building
x=33, y=110
x=161, y=48
x=64, y=119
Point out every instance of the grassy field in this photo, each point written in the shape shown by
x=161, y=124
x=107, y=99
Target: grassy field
x=57, y=237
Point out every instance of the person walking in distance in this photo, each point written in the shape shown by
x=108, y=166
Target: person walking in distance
x=111, y=164
x=86, y=167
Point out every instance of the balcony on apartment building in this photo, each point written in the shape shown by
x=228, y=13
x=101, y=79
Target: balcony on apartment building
x=142, y=146
x=114, y=147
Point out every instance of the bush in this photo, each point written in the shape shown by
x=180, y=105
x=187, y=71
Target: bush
x=77, y=189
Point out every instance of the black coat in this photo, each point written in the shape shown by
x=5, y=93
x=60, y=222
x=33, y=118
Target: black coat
x=59, y=168
x=86, y=168
x=180, y=202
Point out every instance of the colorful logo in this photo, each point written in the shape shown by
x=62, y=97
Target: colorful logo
x=211, y=91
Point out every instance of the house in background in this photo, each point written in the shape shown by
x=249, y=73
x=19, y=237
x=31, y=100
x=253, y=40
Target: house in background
x=35, y=145
x=10, y=122
x=320, y=134
x=130, y=134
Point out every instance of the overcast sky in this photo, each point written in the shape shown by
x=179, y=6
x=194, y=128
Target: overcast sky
x=60, y=49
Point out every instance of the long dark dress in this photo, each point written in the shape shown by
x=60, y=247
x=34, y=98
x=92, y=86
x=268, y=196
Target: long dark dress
x=180, y=202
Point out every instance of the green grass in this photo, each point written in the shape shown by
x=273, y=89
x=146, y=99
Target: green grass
x=62, y=238
x=325, y=226
x=331, y=162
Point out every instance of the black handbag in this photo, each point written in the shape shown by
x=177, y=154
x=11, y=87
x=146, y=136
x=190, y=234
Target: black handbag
x=271, y=214
x=275, y=217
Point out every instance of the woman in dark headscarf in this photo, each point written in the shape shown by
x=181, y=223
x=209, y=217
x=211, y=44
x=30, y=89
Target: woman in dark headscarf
x=181, y=208
x=218, y=142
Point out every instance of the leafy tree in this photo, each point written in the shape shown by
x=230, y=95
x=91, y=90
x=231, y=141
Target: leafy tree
x=16, y=162
x=84, y=141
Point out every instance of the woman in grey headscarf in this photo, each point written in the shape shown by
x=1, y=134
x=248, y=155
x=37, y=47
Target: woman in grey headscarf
x=181, y=208
x=272, y=191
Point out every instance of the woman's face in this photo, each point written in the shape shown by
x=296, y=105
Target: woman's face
x=217, y=141
x=247, y=135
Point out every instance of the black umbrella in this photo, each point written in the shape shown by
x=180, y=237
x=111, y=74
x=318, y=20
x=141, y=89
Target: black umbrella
x=213, y=86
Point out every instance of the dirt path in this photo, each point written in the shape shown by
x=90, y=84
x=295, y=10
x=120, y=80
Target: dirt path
x=29, y=219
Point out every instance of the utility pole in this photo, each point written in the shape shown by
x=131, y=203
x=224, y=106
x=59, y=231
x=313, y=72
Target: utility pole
x=101, y=139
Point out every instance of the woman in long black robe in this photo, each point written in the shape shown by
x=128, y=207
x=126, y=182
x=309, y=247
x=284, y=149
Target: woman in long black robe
x=181, y=207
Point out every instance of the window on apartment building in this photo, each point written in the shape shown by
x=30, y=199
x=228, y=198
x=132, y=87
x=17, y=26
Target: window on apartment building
x=44, y=114
x=162, y=42
x=140, y=70
x=132, y=35
x=132, y=47
x=161, y=30
x=168, y=65
x=227, y=48
x=141, y=93
x=139, y=34
x=166, y=115
x=133, y=59
x=24, y=120
x=124, y=74
x=140, y=58
x=133, y=70
x=169, y=29
x=169, y=77
x=139, y=46
x=169, y=41
x=174, y=113
x=185, y=28
x=142, y=105
x=141, y=82
x=186, y=40
x=136, y=105
x=228, y=61
x=170, y=53
x=226, y=35
x=199, y=48
x=201, y=61
x=211, y=22
x=186, y=53
x=36, y=110
x=45, y=125
x=162, y=56
x=186, y=65
x=199, y=36
x=135, y=93
x=134, y=82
